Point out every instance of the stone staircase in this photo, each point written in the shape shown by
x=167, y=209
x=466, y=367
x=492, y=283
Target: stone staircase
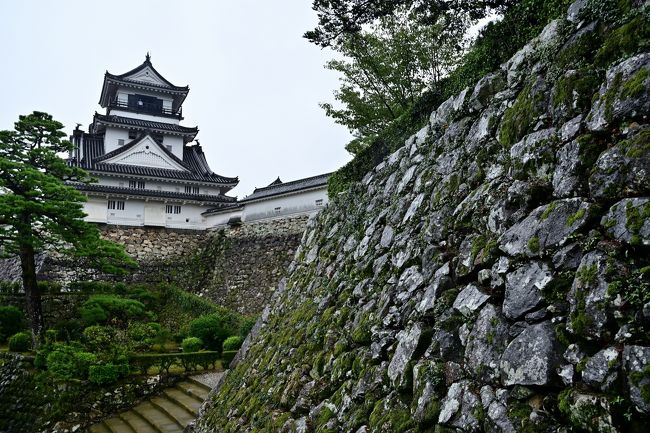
x=168, y=412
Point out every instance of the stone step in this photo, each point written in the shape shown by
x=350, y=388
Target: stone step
x=191, y=388
x=168, y=412
x=157, y=418
x=137, y=423
x=118, y=425
x=189, y=402
x=198, y=381
x=181, y=415
x=99, y=428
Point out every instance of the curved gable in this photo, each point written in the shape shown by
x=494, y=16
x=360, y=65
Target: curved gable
x=146, y=152
x=147, y=75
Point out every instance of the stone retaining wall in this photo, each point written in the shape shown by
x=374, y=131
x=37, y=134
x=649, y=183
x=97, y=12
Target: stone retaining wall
x=237, y=267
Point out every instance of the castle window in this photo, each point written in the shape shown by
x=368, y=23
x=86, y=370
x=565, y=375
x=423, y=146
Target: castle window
x=173, y=208
x=319, y=202
x=116, y=205
x=189, y=189
x=278, y=209
x=120, y=142
x=132, y=134
x=169, y=147
x=136, y=184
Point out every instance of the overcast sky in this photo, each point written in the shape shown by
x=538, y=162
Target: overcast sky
x=255, y=83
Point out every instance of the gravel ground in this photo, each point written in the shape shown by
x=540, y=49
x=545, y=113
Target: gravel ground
x=209, y=379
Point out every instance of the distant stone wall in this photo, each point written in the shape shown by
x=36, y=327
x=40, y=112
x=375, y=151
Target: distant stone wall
x=237, y=267
x=252, y=260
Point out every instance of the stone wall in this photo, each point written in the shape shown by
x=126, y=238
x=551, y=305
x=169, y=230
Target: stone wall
x=237, y=267
x=492, y=275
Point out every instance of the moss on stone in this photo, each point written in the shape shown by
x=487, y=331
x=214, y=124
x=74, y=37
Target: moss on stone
x=520, y=118
x=590, y=146
x=533, y=244
x=635, y=85
x=572, y=219
x=575, y=90
x=548, y=211
x=635, y=219
x=626, y=40
x=637, y=146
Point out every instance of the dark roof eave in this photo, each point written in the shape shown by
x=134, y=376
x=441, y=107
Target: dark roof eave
x=144, y=193
x=173, y=89
x=281, y=194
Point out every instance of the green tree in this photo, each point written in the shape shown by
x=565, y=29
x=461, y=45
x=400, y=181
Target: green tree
x=39, y=212
x=386, y=69
x=339, y=18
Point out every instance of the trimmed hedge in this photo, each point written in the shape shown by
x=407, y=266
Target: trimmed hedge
x=11, y=321
x=192, y=344
x=20, y=342
x=232, y=343
x=164, y=361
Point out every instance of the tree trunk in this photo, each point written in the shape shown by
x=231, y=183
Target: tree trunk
x=32, y=292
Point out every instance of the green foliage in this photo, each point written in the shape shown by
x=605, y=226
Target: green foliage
x=626, y=40
x=12, y=320
x=192, y=344
x=496, y=43
x=104, y=374
x=533, y=244
x=68, y=361
x=213, y=329
x=111, y=308
x=519, y=119
x=20, y=342
x=98, y=337
x=389, y=66
x=337, y=19
x=39, y=210
x=247, y=324
x=227, y=358
x=165, y=361
x=233, y=342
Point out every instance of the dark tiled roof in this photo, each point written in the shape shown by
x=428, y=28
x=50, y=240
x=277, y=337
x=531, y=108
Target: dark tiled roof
x=287, y=187
x=228, y=208
x=211, y=199
x=147, y=62
x=193, y=160
x=144, y=124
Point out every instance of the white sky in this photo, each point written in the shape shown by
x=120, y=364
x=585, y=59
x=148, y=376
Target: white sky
x=255, y=83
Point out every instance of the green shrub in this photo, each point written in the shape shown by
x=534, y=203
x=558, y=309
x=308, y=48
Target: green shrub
x=232, y=343
x=227, y=357
x=100, y=309
x=247, y=324
x=51, y=335
x=11, y=321
x=213, y=329
x=142, y=335
x=164, y=361
x=98, y=337
x=69, y=361
x=103, y=374
x=69, y=330
x=20, y=342
x=192, y=344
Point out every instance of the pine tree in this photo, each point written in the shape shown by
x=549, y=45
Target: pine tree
x=40, y=212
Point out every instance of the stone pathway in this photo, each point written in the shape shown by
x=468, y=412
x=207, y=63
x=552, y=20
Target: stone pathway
x=167, y=412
